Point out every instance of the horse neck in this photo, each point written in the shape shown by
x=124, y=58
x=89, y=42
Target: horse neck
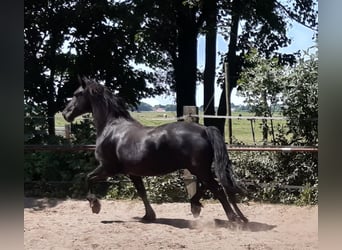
x=103, y=115
x=100, y=118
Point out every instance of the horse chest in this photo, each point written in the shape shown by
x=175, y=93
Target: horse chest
x=106, y=152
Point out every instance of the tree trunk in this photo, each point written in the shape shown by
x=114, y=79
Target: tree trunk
x=210, y=10
x=51, y=105
x=232, y=63
x=222, y=110
x=186, y=62
x=51, y=122
x=264, y=121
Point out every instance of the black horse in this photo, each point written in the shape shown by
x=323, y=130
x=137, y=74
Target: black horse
x=124, y=146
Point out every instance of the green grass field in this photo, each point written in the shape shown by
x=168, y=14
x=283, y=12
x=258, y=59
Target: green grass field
x=241, y=128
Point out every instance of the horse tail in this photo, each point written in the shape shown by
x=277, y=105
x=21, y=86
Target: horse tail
x=222, y=165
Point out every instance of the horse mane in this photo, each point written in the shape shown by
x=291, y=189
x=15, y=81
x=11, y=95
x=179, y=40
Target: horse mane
x=114, y=105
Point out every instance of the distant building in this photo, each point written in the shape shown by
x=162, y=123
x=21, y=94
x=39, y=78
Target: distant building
x=160, y=110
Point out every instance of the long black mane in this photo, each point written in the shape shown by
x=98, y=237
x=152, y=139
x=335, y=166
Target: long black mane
x=114, y=105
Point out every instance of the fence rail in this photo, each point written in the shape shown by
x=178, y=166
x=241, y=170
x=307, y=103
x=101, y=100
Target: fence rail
x=229, y=147
x=175, y=118
x=244, y=182
x=73, y=148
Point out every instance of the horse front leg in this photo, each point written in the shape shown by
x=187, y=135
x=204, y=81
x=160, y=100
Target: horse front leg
x=139, y=185
x=96, y=175
x=195, y=203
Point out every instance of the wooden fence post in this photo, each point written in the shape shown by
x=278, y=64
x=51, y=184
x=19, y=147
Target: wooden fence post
x=188, y=111
x=67, y=131
x=190, y=180
x=252, y=128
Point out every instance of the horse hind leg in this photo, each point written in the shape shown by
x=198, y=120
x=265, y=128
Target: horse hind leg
x=139, y=185
x=219, y=194
x=232, y=199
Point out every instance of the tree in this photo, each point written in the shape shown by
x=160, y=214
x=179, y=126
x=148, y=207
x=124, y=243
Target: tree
x=144, y=107
x=210, y=31
x=172, y=27
x=263, y=26
x=44, y=31
x=108, y=46
x=65, y=38
x=106, y=40
x=300, y=99
x=261, y=82
x=266, y=84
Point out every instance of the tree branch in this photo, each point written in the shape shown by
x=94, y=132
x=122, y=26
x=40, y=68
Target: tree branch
x=200, y=21
x=294, y=16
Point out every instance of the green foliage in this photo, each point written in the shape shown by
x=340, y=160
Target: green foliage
x=121, y=188
x=267, y=176
x=115, y=41
x=34, y=123
x=261, y=83
x=167, y=188
x=301, y=101
x=69, y=168
x=308, y=196
x=144, y=107
x=264, y=175
x=84, y=131
x=63, y=39
x=267, y=86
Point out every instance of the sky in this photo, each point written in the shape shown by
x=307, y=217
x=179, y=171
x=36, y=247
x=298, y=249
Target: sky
x=302, y=39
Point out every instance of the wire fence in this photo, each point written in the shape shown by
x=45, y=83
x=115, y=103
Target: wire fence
x=200, y=116
x=175, y=175
x=66, y=130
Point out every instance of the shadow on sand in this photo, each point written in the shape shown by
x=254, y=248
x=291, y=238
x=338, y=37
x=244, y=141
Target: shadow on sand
x=40, y=204
x=199, y=224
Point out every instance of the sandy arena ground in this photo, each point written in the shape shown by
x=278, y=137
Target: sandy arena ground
x=70, y=224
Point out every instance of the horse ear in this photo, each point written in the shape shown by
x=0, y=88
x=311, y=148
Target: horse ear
x=79, y=79
x=83, y=81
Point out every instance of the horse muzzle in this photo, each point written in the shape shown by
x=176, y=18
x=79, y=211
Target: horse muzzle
x=67, y=116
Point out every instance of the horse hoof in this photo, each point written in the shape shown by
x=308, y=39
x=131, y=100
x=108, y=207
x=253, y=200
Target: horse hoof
x=149, y=217
x=195, y=210
x=233, y=218
x=244, y=219
x=94, y=204
x=196, y=215
x=96, y=208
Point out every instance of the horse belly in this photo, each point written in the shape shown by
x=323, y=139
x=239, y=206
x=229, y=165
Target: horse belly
x=153, y=164
x=151, y=167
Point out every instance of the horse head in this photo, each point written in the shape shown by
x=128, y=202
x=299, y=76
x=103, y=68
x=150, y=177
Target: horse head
x=80, y=102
